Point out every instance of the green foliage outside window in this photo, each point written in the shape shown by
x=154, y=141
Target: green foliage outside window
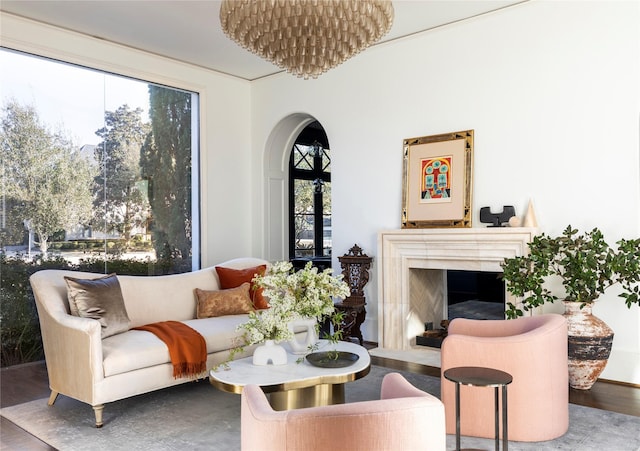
x=20, y=337
x=120, y=204
x=165, y=162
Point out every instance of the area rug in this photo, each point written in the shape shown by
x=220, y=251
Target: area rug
x=197, y=416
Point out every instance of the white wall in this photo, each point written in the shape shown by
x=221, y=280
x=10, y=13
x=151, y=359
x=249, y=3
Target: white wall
x=550, y=88
x=224, y=114
x=552, y=92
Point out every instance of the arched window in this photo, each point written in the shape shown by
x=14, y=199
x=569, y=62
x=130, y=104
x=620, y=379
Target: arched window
x=310, y=196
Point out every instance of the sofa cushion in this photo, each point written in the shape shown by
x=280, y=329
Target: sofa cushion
x=232, y=278
x=99, y=299
x=232, y=301
x=138, y=349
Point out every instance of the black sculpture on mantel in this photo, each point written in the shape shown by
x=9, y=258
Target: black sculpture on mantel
x=497, y=219
x=355, y=269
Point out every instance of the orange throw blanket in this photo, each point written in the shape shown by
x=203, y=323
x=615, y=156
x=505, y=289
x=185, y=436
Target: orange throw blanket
x=187, y=348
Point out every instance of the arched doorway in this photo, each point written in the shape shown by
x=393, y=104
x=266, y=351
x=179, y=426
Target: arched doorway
x=279, y=147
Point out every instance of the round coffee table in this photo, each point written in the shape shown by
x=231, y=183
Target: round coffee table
x=295, y=385
x=482, y=377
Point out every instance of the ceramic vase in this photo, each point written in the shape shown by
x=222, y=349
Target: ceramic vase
x=301, y=346
x=269, y=353
x=590, y=341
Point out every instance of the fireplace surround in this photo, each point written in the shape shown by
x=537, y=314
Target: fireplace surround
x=412, y=278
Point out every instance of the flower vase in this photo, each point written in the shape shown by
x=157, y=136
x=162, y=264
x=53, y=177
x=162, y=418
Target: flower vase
x=590, y=341
x=297, y=325
x=270, y=352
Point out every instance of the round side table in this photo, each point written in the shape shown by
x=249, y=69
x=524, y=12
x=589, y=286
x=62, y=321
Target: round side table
x=482, y=377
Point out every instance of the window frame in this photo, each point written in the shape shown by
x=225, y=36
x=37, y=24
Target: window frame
x=312, y=135
x=56, y=57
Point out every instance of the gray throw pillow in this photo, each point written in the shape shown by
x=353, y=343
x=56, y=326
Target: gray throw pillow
x=99, y=299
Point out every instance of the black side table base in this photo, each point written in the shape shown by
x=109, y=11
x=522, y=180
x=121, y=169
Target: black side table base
x=483, y=377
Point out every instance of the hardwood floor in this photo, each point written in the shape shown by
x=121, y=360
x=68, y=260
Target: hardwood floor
x=23, y=383
x=605, y=395
x=18, y=384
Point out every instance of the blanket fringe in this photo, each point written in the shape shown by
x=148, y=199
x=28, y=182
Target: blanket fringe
x=191, y=370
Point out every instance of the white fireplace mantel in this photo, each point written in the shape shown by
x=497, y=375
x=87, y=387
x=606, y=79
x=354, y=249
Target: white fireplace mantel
x=400, y=252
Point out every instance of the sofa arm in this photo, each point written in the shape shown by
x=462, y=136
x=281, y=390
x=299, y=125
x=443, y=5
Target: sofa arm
x=73, y=351
x=72, y=345
x=501, y=327
x=516, y=355
x=396, y=386
x=261, y=427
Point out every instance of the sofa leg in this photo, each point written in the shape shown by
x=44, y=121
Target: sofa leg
x=52, y=397
x=98, y=411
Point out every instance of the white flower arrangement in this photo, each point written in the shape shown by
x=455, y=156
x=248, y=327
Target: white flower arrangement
x=307, y=293
x=270, y=324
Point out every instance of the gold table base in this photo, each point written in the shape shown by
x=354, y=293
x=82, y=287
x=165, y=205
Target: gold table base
x=316, y=395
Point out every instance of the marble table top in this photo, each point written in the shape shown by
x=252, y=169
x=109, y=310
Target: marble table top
x=293, y=375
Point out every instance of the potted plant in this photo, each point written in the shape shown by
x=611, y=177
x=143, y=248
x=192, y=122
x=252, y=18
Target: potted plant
x=296, y=299
x=307, y=293
x=304, y=298
x=586, y=266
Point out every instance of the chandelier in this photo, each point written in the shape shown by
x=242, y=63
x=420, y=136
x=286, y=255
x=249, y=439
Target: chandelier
x=306, y=37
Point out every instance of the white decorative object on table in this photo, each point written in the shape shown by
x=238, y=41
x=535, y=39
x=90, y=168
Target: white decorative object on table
x=270, y=352
x=302, y=346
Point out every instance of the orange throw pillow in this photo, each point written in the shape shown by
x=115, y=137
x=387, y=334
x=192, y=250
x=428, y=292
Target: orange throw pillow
x=232, y=278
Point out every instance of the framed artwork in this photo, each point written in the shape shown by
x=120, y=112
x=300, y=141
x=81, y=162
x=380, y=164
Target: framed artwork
x=437, y=180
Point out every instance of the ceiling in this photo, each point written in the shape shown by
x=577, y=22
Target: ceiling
x=189, y=31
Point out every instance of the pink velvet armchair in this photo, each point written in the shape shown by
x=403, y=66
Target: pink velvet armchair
x=534, y=351
x=405, y=418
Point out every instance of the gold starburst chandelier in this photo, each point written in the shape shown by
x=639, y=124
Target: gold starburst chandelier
x=306, y=37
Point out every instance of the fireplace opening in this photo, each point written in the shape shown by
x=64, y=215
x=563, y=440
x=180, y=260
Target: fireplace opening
x=475, y=295
x=469, y=294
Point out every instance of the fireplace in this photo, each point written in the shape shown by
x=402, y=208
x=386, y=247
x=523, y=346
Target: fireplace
x=412, y=272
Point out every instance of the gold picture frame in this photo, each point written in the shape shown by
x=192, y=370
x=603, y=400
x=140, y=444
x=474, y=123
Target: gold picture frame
x=437, y=180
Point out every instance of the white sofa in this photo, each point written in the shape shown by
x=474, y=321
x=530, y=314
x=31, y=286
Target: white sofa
x=86, y=367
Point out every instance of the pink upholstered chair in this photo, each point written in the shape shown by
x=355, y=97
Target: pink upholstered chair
x=405, y=418
x=534, y=351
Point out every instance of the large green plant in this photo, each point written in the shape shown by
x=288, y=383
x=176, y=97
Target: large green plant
x=20, y=339
x=585, y=263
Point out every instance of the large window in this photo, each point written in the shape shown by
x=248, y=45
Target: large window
x=99, y=173
x=310, y=195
